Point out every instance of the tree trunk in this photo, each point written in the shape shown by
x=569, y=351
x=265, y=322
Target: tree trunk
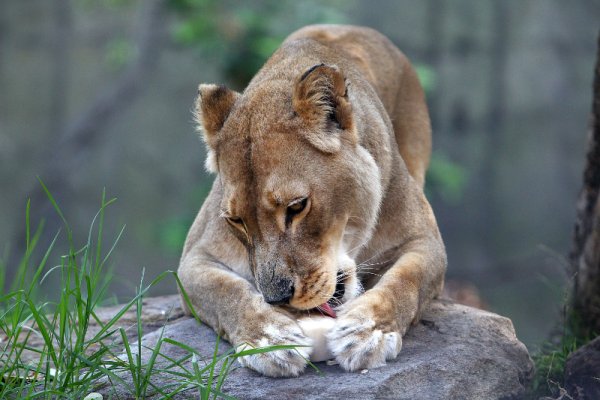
x=585, y=257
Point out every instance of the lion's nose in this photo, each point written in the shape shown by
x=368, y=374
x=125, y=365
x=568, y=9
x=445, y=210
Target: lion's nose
x=282, y=295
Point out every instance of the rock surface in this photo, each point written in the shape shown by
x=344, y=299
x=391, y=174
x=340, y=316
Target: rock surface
x=582, y=372
x=455, y=352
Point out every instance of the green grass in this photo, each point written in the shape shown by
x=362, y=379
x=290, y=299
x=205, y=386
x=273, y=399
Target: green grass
x=550, y=360
x=46, y=346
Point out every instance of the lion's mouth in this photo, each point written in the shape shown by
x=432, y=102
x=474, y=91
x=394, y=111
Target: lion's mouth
x=326, y=309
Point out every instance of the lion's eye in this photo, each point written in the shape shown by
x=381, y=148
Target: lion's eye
x=294, y=208
x=237, y=222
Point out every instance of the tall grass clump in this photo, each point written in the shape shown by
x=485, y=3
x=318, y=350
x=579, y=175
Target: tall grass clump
x=47, y=349
x=568, y=336
x=46, y=352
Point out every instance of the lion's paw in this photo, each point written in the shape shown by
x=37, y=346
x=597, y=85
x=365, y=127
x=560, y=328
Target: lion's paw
x=357, y=343
x=278, y=363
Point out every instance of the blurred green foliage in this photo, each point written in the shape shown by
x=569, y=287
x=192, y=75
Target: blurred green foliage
x=240, y=39
x=426, y=76
x=445, y=179
x=118, y=53
x=171, y=233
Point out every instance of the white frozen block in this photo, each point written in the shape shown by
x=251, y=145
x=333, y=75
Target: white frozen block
x=316, y=327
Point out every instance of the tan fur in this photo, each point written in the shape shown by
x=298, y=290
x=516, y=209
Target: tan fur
x=335, y=122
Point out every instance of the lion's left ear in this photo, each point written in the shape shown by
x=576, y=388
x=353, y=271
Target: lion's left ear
x=321, y=98
x=213, y=106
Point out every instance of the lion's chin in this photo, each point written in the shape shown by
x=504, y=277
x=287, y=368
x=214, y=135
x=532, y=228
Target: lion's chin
x=310, y=304
x=325, y=309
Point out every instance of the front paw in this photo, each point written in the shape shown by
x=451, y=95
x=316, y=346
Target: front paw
x=358, y=342
x=277, y=363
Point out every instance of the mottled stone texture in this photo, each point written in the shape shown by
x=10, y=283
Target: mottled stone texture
x=582, y=372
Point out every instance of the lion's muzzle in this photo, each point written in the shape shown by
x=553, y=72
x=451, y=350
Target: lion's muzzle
x=276, y=290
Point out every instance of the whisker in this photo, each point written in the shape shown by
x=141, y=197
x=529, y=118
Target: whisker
x=366, y=264
x=336, y=302
x=371, y=265
x=358, y=246
x=342, y=276
x=370, y=273
x=370, y=258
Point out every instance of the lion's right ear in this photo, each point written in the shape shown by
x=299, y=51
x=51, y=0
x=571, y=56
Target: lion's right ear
x=320, y=98
x=213, y=105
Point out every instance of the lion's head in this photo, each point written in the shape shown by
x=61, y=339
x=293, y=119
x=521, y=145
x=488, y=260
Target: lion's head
x=299, y=190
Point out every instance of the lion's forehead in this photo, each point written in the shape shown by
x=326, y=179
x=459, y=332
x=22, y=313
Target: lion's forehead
x=269, y=157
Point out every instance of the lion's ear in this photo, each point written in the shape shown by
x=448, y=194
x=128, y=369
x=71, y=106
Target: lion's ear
x=213, y=105
x=321, y=99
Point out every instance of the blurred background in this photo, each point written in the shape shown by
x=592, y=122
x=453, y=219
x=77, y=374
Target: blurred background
x=98, y=94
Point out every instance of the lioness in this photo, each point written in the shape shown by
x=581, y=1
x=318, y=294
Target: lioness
x=318, y=202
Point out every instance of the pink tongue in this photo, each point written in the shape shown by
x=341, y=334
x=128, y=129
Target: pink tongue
x=326, y=309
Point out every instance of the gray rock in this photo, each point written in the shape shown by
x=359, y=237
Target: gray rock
x=582, y=372
x=455, y=352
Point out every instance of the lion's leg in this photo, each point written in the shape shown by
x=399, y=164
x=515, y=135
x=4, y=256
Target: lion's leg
x=370, y=328
x=235, y=310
